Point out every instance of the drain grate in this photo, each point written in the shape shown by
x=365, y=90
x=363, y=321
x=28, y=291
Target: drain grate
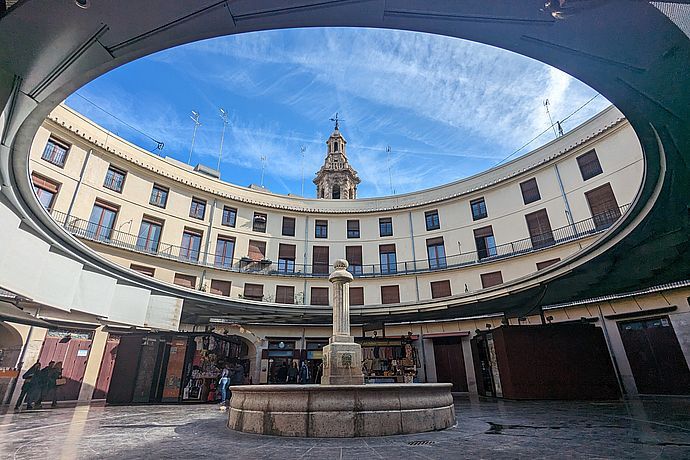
x=420, y=443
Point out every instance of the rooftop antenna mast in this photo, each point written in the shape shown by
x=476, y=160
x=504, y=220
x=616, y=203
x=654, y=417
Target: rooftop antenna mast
x=263, y=167
x=553, y=126
x=302, y=150
x=195, y=118
x=390, y=173
x=224, y=116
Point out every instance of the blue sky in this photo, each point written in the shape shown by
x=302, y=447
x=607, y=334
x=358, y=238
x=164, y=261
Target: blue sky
x=448, y=108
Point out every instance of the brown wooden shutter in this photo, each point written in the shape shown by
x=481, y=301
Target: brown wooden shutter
x=220, y=287
x=253, y=291
x=319, y=296
x=285, y=294
x=353, y=254
x=356, y=295
x=286, y=251
x=483, y=232
x=539, y=228
x=148, y=271
x=187, y=281
x=530, y=191
x=353, y=226
x=320, y=260
x=589, y=165
x=257, y=250
x=390, y=294
x=44, y=183
x=603, y=205
x=440, y=289
x=547, y=263
x=491, y=279
x=435, y=241
x=386, y=248
x=289, y=226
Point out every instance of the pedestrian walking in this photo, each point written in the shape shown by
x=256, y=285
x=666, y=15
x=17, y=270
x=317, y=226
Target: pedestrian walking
x=26, y=386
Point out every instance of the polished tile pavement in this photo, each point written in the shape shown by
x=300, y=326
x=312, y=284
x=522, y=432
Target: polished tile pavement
x=656, y=428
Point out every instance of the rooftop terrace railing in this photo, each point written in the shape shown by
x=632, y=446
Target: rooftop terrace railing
x=92, y=231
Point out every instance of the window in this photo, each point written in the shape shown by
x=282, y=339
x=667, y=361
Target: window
x=353, y=229
x=259, y=222
x=288, y=226
x=159, y=196
x=491, y=279
x=353, y=255
x=386, y=226
x=390, y=294
x=229, y=218
x=253, y=291
x=321, y=229
x=431, y=219
x=285, y=294
x=148, y=271
x=547, y=263
x=114, y=179
x=530, y=191
x=220, y=287
x=286, y=258
x=485, y=242
x=55, y=152
x=589, y=165
x=356, y=295
x=320, y=260
x=225, y=251
x=478, y=208
x=436, y=252
x=335, y=193
x=183, y=280
x=440, y=289
x=149, y=235
x=46, y=190
x=191, y=244
x=198, y=209
x=387, y=259
x=102, y=220
x=539, y=229
x=257, y=250
x=603, y=206
x=319, y=296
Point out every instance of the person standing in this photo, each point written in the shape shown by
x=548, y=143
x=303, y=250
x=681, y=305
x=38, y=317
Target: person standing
x=223, y=384
x=38, y=387
x=237, y=377
x=281, y=375
x=304, y=373
x=293, y=372
x=26, y=386
x=54, y=381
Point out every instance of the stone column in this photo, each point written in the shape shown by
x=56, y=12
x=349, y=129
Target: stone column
x=342, y=357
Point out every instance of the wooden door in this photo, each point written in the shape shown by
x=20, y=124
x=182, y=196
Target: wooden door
x=450, y=362
x=73, y=353
x=107, y=365
x=655, y=356
x=125, y=370
x=173, y=375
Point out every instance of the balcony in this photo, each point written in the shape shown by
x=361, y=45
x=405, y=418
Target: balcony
x=586, y=228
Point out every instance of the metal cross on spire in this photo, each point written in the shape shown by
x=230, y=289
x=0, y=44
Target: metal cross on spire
x=337, y=121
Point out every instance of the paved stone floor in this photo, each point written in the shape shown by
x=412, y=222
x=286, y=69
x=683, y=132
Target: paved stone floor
x=658, y=428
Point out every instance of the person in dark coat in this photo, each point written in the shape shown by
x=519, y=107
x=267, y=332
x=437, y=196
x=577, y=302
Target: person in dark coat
x=304, y=373
x=51, y=386
x=237, y=377
x=26, y=386
x=39, y=386
x=293, y=372
x=282, y=374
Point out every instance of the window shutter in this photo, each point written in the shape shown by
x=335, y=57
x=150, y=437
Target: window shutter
x=289, y=226
x=44, y=183
x=352, y=225
x=187, y=281
x=547, y=263
x=356, y=295
x=286, y=251
x=539, y=228
x=390, y=294
x=483, y=232
x=434, y=241
x=386, y=248
x=253, y=291
x=491, y=279
x=530, y=191
x=353, y=254
x=148, y=271
x=220, y=287
x=319, y=296
x=589, y=165
x=257, y=250
x=320, y=260
x=603, y=206
x=285, y=294
x=440, y=289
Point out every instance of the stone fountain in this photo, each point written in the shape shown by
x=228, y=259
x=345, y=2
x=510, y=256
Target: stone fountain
x=342, y=405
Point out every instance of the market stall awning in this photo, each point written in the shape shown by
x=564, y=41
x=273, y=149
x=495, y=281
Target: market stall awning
x=10, y=312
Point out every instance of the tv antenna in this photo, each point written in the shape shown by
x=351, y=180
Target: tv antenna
x=224, y=116
x=302, y=150
x=263, y=167
x=553, y=125
x=195, y=118
x=390, y=173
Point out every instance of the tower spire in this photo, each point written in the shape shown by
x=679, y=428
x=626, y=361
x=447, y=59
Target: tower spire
x=337, y=121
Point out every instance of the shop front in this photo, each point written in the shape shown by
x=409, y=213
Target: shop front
x=277, y=359
x=389, y=359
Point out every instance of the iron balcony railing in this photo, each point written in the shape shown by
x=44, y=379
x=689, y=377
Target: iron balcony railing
x=287, y=267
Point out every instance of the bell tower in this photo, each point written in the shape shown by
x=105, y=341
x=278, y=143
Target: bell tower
x=336, y=180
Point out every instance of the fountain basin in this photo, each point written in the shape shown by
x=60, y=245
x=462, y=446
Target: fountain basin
x=341, y=411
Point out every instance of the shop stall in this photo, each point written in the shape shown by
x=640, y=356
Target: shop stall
x=389, y=359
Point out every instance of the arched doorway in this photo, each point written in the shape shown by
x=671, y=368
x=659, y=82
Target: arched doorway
x=10, y=350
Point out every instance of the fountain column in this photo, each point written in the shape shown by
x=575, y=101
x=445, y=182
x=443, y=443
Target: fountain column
x=342, y=357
